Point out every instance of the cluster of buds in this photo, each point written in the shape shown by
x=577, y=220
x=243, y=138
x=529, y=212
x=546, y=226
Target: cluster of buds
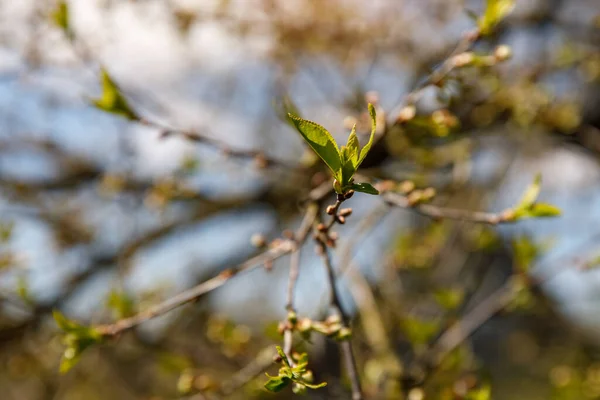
x=332, y=327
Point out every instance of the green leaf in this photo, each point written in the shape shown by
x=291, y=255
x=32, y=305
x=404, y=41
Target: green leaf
x=495, y=11
x=277, y=383
x=365, y=150
x=544, y=210
x=112, y=100
x=321, y=141
x=364, y=188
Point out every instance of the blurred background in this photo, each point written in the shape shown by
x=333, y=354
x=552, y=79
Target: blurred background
x=101, y=216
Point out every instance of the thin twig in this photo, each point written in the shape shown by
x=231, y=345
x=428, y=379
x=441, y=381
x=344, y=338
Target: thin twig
x=263, y=360
x=335, y=303
x=282, y=248
x=430, y=210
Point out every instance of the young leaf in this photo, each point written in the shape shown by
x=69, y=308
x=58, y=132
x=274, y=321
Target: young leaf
x=364, y=188
x=543, y=210
x=532, y=193
x=277, y=383
x=348, y=168
x=321, y=141
x=353, y=147
x=495, y=11
x=112, y=100
x=365, y=150
x=77, y=339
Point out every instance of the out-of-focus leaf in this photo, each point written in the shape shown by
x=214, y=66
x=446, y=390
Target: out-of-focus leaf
x=77, y=338
x=482, y=393
x=61, y=18
x=121, y=304
x=495, y=11
x=532, y=193
x=112, y=100
x=419, y=332
x=528, y=206
x=450, y=299
x=544, y=210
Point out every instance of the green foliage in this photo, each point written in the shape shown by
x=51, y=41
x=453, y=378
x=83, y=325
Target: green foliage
x=77, y=338
x=299, y=375
x=529, y=208
x=495, y=11
x=343, y=162
x=112, y=100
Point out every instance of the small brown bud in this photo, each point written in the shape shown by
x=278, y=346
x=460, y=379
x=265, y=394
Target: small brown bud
x=345, y=212
x=502, y=52
x=463, y=59
x=330, y=210
x=268, y=265
x=406, y=187
x=330, y=243
x=321, y=227
x=406, y=113
x=428, y=194
x=258, y=240
x=341, y=219
x=348, y=194
x=261, y=161
x=415, y=197
x=277, y=358
x=304, y=325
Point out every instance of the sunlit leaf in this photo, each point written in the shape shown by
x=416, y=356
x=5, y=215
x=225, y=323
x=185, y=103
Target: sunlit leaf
x=321, y=141
x=112, y=100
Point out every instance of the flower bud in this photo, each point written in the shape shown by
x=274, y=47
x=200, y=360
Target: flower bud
x=345, y=212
